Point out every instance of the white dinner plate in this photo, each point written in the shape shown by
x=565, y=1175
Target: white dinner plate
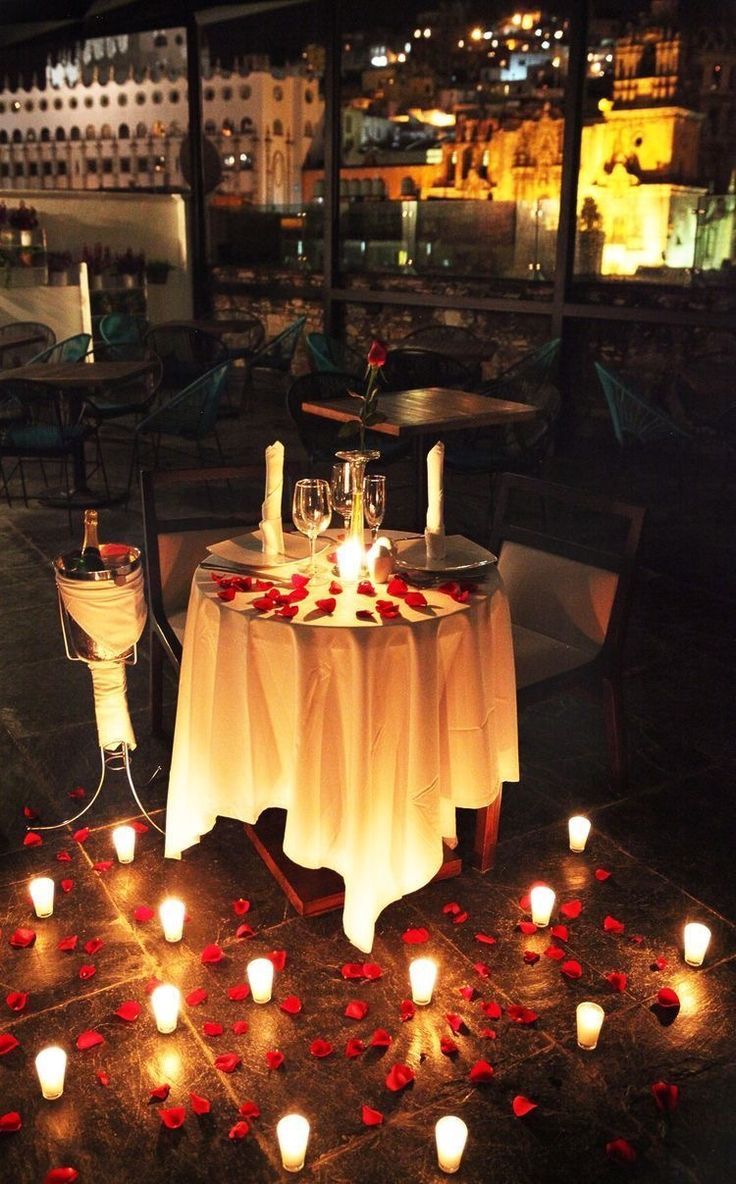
x=246, y=550
x=462, y=557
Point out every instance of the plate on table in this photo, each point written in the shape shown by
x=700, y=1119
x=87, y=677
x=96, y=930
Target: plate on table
x=462, y=559
x=246, y=550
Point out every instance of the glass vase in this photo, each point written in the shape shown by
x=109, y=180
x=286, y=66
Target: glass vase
x=357, y=458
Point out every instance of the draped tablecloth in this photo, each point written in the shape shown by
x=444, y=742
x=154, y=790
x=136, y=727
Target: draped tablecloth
x=368, y=734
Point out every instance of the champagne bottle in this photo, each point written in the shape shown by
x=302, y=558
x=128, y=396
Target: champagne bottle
x=90, y=558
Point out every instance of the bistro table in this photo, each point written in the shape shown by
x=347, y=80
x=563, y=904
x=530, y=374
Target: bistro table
x=73, y=382
x=368, y=733
x=420, y=413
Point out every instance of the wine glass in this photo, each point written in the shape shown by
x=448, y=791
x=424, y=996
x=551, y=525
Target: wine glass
x=374, y=502
x=341, y=487
x=311, y=511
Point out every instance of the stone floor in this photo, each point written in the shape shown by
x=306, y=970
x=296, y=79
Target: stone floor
x=667, y=844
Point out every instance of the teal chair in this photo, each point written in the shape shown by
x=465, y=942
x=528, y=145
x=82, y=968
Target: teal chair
x=71, y=349
x=122, y=336
x=275, y=356
x=634, y=418
x=330, y=356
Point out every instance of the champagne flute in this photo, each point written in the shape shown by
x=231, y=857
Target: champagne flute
x=374, y=502
x=341, y=487
x=311, y=511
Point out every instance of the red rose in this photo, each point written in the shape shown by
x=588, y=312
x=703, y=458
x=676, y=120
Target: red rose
x=377, y=354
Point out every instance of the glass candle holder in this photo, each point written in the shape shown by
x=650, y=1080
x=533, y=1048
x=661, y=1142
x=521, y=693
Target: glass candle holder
x=578, y=829
x=590, y=1017
x=51, y=1070
x=542, y=902
x=41, y=889
x=171, y=913
x=350, y=558
x=123, y=838
x=697, y=940
x=450, y=1134
x=260, y=979
x=165, y=1002
x=292, y=1132
x=422, y=977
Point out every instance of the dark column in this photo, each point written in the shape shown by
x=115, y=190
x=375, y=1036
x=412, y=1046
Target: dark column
x=199, y=270
x=330, y=20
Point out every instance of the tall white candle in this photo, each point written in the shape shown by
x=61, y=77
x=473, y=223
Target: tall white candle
x=165, y=1003
x=590, y=1018
x=42, y=895
x=51, y=1069
x=578, y=829
x=123, y=838
x=350, y=561
x=292, y=1132
x=450, y=1134
x=422, y=976
x=260, y=979
x=171, y=913
x=697, y=940
x=543, y=901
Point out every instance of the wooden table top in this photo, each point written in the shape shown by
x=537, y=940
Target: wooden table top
x=426, y=409
x=63, y=375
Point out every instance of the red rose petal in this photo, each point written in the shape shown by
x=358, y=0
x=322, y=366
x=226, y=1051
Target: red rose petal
x=468, y=993
x=370, y=1117
x=89, y=970
x=335, y=589
x=197, y=996
x=372, y=971
x=666, y=997
x=486, y=939
x=380, y=1038
x=228, y=1062
x=173, y=1117
x=211, y=954
x=354, y=1048
x=365, y=588
x=238, y=992
x=63, y=857
x=364, y=614
x=491, y=1009
x=160, y=1093
x=415, y=937
x=142, y=914
x=32, y=840
x=244, y=930
x=554, y=952
x=659, y=964
x=22, y=938
x=238, y=1131
x=298, y=580
x=571, y=910
x=68, y=943
x=31, y=814
x=77, y=794
x=481, y=969
x=17, y=1000
x=327, y=604
x=489, y=1033
x=292, y=1005
x=152, y=984
x=67, y=885
x=531, y=957
x=262, y=604
x=665, y=1095
x=448, y=1046
x=526, y=927
x=456, y=1022
x=601, y=874
x=241, y=907
x=521, y=1015
x=617, y=979
x=399, y=1076
x=240, y=1027
x=249, y=1110
x=321, y=1048
x=226, y=594
x=452, y=908
x=199, y=1104
x=571, y=969
x=102, y=865
x=81, y=835
x=560, y=932
x=523, y=1106
x=407, y=1011
x=93, y=946
x=103, y=1077
x=621, y=1151
x=89, y=1039
x=357, y=1009
x=287, y=611
x=611, y=925
x=61, y=1176
x=352, y=970
x=7, y=1043
x=637, y=938
x=481, y=1072
x=129, y=1011
x=298, y=594
x=274, y=1059
x=525, y=902
x=211, y=1028
x=415, y=600
x=10, y=1122
x=140, y=828
x=278, y=958
x=397, y=587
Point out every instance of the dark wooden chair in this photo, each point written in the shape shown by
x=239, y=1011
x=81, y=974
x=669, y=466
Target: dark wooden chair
x=410, y=367
x=567, y=559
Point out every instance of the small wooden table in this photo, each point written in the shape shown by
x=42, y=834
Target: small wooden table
x=420, y=413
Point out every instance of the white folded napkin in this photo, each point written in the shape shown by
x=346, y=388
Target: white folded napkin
x=434, y=534
x=272, y=530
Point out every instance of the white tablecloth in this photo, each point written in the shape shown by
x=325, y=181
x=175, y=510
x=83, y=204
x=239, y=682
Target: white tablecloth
x=368, y=735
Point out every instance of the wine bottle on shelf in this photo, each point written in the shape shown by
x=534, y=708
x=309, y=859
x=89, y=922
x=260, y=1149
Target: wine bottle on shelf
x=90, y=558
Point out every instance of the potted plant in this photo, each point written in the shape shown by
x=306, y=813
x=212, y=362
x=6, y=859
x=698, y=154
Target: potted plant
x=157, y=270
x=130, y=266
x=99, y=264
x=59, y=263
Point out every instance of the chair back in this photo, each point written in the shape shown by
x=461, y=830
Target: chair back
x=320, y=437
x=18, y=355
x=635, y=418
x=186, y=353
x=121, y=328
x=278, y=353
x=408, y=368
x=250, y=333
x=71, y=349
x=329, y=355
x=192, y=413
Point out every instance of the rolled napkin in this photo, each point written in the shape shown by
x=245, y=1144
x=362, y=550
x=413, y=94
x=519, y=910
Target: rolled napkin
x=272, y=531
x=434, y=535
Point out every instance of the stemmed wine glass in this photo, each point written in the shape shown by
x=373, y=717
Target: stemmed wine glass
x=311, y=511
x=341, y=487
x=374, y=502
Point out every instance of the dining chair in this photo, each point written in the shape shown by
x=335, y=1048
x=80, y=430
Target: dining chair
x=186, y=354
x=321, y=438
x=330, y=355
x=567, y=560
x=636, y=419
x=275, y=356
x=17, y=355
x=411, y=367
x=130, y=399
x=70, y=349
x=122, y=336
x=457, y=341
x=179, y=522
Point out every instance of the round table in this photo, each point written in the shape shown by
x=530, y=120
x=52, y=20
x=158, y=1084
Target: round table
x=369, y=733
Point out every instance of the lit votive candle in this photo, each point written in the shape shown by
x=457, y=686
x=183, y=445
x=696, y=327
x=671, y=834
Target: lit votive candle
x=165, y=1003
x=697, y=940
x=292, y=1132
x=543, y=901
x=260, y=979
x=590, y=1018
x=123, y=838
x=42, y=895
x=350, y=561
x=171, y=913
x=51, y=1068
x=422, y=976
x=451, y=1134
x=578, y=829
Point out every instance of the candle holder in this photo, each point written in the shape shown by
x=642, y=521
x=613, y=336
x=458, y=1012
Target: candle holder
x=358, y=458
x=51, y=1070
x=542, y=902
x=41, y=889
x=260, y=979
x=451, y=1135
x=422, y=976
x=165, y=1002
x=578, y=829
x=171, y=914
x=123, y=838
x=697, y=939
x=589, y=1020
x=292, y=1132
